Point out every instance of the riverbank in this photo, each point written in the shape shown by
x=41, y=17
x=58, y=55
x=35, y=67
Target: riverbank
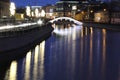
x=19, y=43
x=115, y=27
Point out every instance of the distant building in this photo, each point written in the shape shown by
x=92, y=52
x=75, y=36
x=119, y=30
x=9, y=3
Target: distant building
x=20, y=13
x=66, y=8
x=35, y=11
x=4, y=8
x=49, y=10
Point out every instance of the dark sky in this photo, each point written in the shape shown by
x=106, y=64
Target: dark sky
x=22, y=3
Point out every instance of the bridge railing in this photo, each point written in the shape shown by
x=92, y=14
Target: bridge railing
x=66, y=18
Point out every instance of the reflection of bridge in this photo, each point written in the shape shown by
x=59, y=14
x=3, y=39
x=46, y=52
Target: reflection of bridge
x=66, y=19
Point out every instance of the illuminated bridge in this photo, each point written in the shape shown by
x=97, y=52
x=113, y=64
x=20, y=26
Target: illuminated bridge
x=66, y=19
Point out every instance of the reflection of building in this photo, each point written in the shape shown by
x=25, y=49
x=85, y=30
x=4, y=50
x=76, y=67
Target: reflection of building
x=4, y=8
x=66, y=8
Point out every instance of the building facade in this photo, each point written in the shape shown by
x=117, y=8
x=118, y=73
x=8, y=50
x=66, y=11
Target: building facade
x=49, y=10
x=66, y=8
x=4, y=8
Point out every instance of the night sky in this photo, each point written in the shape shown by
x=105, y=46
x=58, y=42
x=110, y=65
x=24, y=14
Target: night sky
x=23, y=3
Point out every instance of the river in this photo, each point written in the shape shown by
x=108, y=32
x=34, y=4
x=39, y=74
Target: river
x=70, y=53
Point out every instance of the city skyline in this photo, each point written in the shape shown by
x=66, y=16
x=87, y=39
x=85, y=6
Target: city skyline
x=23, y=3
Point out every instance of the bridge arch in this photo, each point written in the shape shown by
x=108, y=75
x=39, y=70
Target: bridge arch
x=66, y=18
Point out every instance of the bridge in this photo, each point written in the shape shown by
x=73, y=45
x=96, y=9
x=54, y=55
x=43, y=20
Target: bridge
x=66, y=19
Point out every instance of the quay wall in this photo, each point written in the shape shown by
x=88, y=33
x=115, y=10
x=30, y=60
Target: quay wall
x=115, y=27
x=18, y=43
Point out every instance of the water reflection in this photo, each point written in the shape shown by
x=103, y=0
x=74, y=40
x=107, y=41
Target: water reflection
x=103, y=53
x=13, y=71
x=27, y=66
x=91, y=53
x=41, y=57
x=66, y=29
x=36, y=54
x=83, y=53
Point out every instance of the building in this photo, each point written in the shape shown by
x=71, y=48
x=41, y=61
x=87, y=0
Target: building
x=20, y=13
x=35, y=11
x=49, y=10
x=66, y=8
x=4, y=8
x=87, y=10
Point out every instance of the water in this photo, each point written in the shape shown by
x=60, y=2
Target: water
x=71, y=53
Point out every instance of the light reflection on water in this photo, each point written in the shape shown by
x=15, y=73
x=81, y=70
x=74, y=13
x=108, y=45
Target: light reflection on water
x=91, y=53
x=27, y=66
x=13, y=71
x=83, y=53
x=103, y=53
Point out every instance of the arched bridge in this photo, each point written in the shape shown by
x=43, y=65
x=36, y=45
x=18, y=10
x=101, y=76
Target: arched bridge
x=66, y=19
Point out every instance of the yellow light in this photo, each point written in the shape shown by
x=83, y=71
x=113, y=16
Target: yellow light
x=82, y=12
x=98, y=17
x=27, y=66
x=42, y=55
x=91, y=11
x=22, y=16
x=13, y=71
x=50, y=14
x=36, y=62
x=104, y=9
